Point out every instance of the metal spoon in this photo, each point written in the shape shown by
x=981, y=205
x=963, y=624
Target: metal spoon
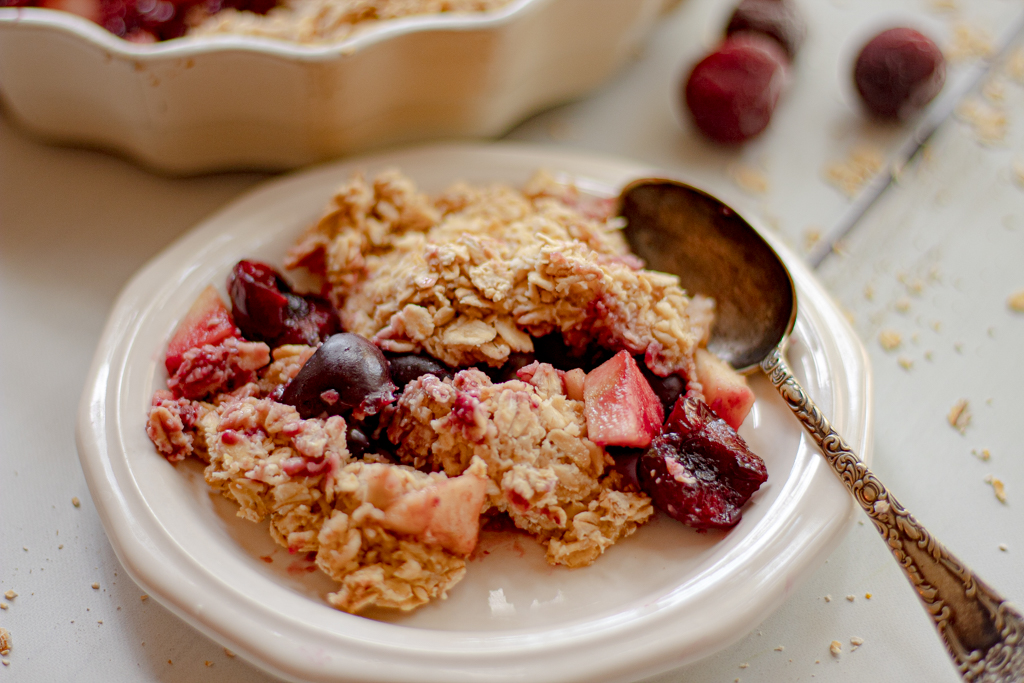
x=678, y=229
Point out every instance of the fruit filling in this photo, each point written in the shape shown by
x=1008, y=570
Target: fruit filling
x=504, y=359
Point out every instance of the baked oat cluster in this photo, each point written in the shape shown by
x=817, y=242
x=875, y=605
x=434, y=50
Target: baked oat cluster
x=503, y=355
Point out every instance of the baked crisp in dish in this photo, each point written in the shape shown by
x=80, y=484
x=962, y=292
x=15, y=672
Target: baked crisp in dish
x=321, y=21
x=503, y=355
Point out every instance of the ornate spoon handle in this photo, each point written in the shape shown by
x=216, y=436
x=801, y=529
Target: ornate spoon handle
x=983, y=633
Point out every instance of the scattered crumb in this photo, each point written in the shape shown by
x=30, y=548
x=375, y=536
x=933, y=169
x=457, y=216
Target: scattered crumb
x=997, y=487
x=905, y=363
x=828, y=598
x=959, y=416
x=1016, y=301
x=850, y=175
x=856, y=642
x=987, y=121
x=228, y=652
x=817, y=661
x=6, y=662
x=942, y=5
x=143, y=597
x=5, y=641
x=99, y=621
x=3, y=605
x=96, y=586
x=903, y=305
x=890, y=339
x=10, y=595
x=1018, y=172
x=994, y=90
x=780, y=648
x=867, y=596
x=850, y=598
x=744, y=665
x=1015, y=65
x=170, y=662
x=836, y=648
x=969, y=42
x=208, y=663
x=1003, y=547
x=748, y=179
x=983, y=454
x=75, y=501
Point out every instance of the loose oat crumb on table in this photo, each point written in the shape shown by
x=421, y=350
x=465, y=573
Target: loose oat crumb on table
x=890, y=340
x=997, y=487
x=959, y=416
x=1015, y=301
x=75, y=501
x=10, y=595
x=850, y=175
x=836, y=648
x=5, y=641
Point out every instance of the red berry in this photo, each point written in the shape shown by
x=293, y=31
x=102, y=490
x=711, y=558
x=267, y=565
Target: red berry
x=777, y=19
x=732, y=92
x=898, y=73
x=699, y=470
x=265, y=308
x=346, y=374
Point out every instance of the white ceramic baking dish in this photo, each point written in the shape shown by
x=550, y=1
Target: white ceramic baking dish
x=214, y=103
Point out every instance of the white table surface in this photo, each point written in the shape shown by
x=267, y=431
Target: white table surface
x=934, y=258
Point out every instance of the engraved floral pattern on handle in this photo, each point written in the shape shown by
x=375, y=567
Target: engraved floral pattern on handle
x=983, y=633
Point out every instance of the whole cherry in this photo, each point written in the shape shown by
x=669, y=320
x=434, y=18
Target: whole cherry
x=898, y=73
x=732, y=92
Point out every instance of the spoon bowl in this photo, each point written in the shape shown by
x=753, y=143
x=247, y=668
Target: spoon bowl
x=686, y=232
x=681, y=230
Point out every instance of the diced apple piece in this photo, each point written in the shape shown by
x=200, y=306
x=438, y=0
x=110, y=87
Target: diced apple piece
x=620, y=407
x=456, y=521
x=207, y=322
x=725, y=390
x=446, y=513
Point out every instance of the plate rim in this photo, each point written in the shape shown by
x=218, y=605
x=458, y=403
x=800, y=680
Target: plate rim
x=149, y=563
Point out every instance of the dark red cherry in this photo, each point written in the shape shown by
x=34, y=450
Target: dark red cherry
x=898, y=73
x=699, y=470
x=407, y=367
x=265, y=308
x=777, y=19
x=346, y=374
x=732, y=92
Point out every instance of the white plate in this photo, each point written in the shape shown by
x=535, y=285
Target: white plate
x=662, y=597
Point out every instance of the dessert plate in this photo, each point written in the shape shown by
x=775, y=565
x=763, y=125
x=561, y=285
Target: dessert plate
x=661, y=598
